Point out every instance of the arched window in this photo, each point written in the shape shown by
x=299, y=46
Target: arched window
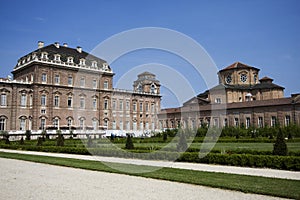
x=3, y=123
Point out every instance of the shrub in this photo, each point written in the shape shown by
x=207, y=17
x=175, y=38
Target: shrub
x=28, y=134
x=39, y=141
x=21, y=142
x=165, y=136
x=280, y=147
x=60, y=141
x=182, y=144
x=129, y=143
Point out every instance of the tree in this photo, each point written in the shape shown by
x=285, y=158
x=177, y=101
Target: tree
x=21, y=142
x=280, y=147
x=28, y=134
x=165, y=136
x=129, y=143
x=60, y=141
x=182, y=144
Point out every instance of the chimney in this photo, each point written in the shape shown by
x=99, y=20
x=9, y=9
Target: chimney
x=79, y=49
x=56, y=44
x=40, y=44
x=65, y=44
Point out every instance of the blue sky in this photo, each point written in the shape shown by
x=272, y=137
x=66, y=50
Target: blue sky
x=261, y=33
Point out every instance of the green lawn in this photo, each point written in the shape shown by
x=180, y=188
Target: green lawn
x=249, y=184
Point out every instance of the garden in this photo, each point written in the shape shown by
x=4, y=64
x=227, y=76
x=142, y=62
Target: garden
x=272, y=147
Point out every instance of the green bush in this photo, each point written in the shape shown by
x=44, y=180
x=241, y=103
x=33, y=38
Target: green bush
x=28, y=134
x=280, y=147
x=129, y=142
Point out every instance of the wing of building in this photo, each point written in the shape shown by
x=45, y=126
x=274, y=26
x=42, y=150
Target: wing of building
x=240, y=99
x=57, y=87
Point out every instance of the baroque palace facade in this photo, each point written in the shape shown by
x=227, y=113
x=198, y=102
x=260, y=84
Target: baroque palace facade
x=57, y=87
x=240, y=99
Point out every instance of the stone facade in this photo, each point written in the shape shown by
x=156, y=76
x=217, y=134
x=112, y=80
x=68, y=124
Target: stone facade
x=59, y=87
x=240, y=99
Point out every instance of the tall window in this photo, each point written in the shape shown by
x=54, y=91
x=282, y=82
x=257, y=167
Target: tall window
x=56, y=122
x=152, y=107
x=114, y=126
x=2, y=124
x=43, y=124
x=105, y=85
x=121, y=105
x=30, y=100
x=105, y=123
x=44, y=77
x=105, y=104
x=287, y=120
x=127, y=105
x=236, y=122
x=70, y=80
x=114, y=105
x=121, y=125
x=70, y=102
x=81, y=123
x=94, y=84
x=141, y=126
x=22, y=124
x=3, y=100
x=56, y=79
x=152, y=88
x=134, y=106
x=82, y=103
x=141, y=107
x=23, y=100
x=273, y=121
x=247, y=122
x=134, y=126
x=225, y=122
x=94, y=103
x=69, y=122
x=127, y=125
x=43, y=100
x=56, y=101
x=82, y=82
x=260, y=122
x=95, y=124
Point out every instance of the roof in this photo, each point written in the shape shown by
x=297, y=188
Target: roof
x=262, y=85
x=66, y=52
x=238, y=65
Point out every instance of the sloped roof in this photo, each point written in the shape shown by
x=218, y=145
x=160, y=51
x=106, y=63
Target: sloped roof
x=238, y=65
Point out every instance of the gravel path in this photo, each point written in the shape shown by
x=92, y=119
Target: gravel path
x=29, y=180
x=193, y=166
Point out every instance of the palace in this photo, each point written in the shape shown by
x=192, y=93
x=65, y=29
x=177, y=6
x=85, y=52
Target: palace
x=57, y=87
x=240, y=99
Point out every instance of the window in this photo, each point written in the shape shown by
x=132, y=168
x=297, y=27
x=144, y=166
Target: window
x=44, y=55
x=3, y=100
x=114, y=105
x=287, y=120
x=105, y=85
x=44, y=78
x=152, y=108
x=82, y=82
x=216, y=122
x=243, y=77
x=114, y=126
x=43, y=111
x=82, y=62
x=260, y=122
x=69, y=122
x=82, y=103
x=147, y=107
x=56, y=79
x=43, y=124
x=105, y=104
x=2, y=124
x=127, y=105
x=22, y=124
x=56, y=122
x=248, y=122
x=218, y=100
x=23, y=100
x=121, y=105
x=43, y=100
x=134, y=126
x=236, y=122
x=94, y=64
x=70, y=102
x=134, y=106
x=121, y=125
x=95, y=124
x=30, y=101
x=56, y=57
x=141, y=126
x=81, y=123
x=94, y=103
x=70, y=60
x=141, y=107
x=152, y=88
x=225, y=124
x=140, y=88
x=105, y=123
x=94, y=84
x=70, y=80
x=127, y=125
x=273, y=121
x=56, y=101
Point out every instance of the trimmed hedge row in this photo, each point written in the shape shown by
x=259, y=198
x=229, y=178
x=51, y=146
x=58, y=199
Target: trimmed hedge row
x=244, y=160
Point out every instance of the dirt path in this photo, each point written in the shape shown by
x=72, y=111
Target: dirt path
x=28, y=180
